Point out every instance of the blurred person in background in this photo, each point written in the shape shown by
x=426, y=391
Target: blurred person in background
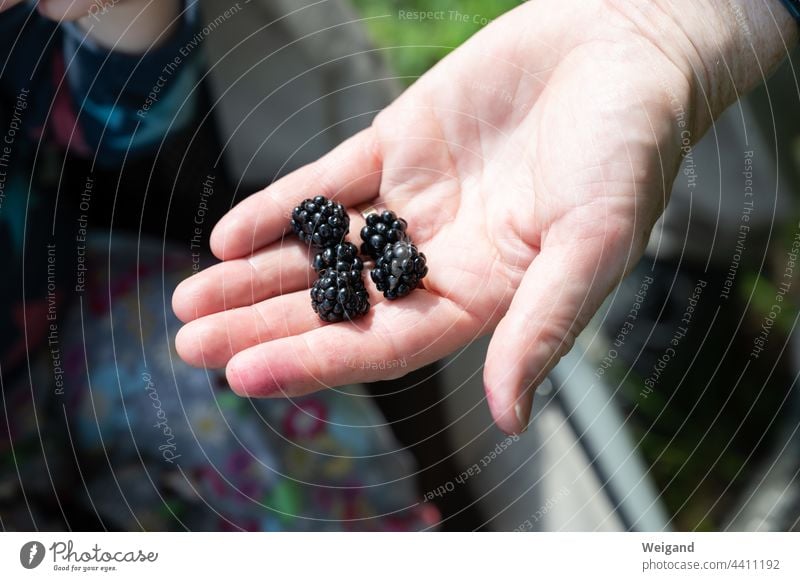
x=106, y=117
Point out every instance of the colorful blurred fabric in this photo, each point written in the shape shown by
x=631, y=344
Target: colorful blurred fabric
x=141, y=441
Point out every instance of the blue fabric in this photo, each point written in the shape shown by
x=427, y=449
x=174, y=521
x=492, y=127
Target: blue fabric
x=107, y=88
x=112, y=90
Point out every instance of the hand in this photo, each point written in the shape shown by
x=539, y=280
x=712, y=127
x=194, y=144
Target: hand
x=530, y=164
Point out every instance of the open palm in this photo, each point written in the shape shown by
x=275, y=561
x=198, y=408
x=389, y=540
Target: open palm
x=530, y=166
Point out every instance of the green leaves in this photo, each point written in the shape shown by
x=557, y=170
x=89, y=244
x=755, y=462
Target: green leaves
x=419, y=33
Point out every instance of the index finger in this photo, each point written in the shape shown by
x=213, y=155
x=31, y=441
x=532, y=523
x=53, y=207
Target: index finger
x=350, y=174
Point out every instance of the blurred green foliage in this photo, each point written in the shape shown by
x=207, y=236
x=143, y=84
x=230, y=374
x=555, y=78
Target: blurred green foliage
x=763, y=296
x=414, y=45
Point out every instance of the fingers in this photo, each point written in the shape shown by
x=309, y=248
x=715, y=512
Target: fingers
x=213, y=340
x=561, y=290
x=390, y=341
x=349, y=174
x=281, y=268
x=240, y=303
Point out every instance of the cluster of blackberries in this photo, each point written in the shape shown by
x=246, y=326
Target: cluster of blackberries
x=339, y=292
x=399, y=266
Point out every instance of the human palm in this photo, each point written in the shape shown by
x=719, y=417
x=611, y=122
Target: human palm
x=530, y=166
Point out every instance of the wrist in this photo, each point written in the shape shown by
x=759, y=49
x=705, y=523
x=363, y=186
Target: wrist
x=724, y=47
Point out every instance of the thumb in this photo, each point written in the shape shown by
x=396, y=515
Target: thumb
x=561, y=290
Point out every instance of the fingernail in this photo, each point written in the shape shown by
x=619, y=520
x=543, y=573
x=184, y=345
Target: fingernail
x=523, y=407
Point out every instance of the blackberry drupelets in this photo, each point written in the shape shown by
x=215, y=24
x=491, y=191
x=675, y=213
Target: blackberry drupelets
x=381, y=230
x=399, y=270
x=342, y=257
x=338, y=296
x=339, y=293
x=399, y=266
x=320, y=222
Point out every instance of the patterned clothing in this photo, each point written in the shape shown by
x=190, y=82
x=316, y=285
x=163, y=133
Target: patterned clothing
x=162, y=446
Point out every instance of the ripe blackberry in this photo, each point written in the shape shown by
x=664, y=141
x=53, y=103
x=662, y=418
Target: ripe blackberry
x=381, y=230
x=342, y=258
x=399, y=270
x=320, y=222
x=338, y=296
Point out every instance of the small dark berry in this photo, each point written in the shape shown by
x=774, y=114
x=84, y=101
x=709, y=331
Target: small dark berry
x=320, y=222
x=342, y=258
x=399, y=270
x=336, y=297
x=345, y=252
x=381, y=230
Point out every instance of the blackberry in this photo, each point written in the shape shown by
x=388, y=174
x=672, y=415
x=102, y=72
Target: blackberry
x=320, y=222
x=342, y=257
x=399, y=270
x=338, y=296
x=382, y=229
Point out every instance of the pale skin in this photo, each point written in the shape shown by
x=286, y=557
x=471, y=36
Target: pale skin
x=531, y=165
x=126, y=25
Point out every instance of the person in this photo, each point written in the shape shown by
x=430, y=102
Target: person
x=102, y=427
x=56, y=104
x=531, y=165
